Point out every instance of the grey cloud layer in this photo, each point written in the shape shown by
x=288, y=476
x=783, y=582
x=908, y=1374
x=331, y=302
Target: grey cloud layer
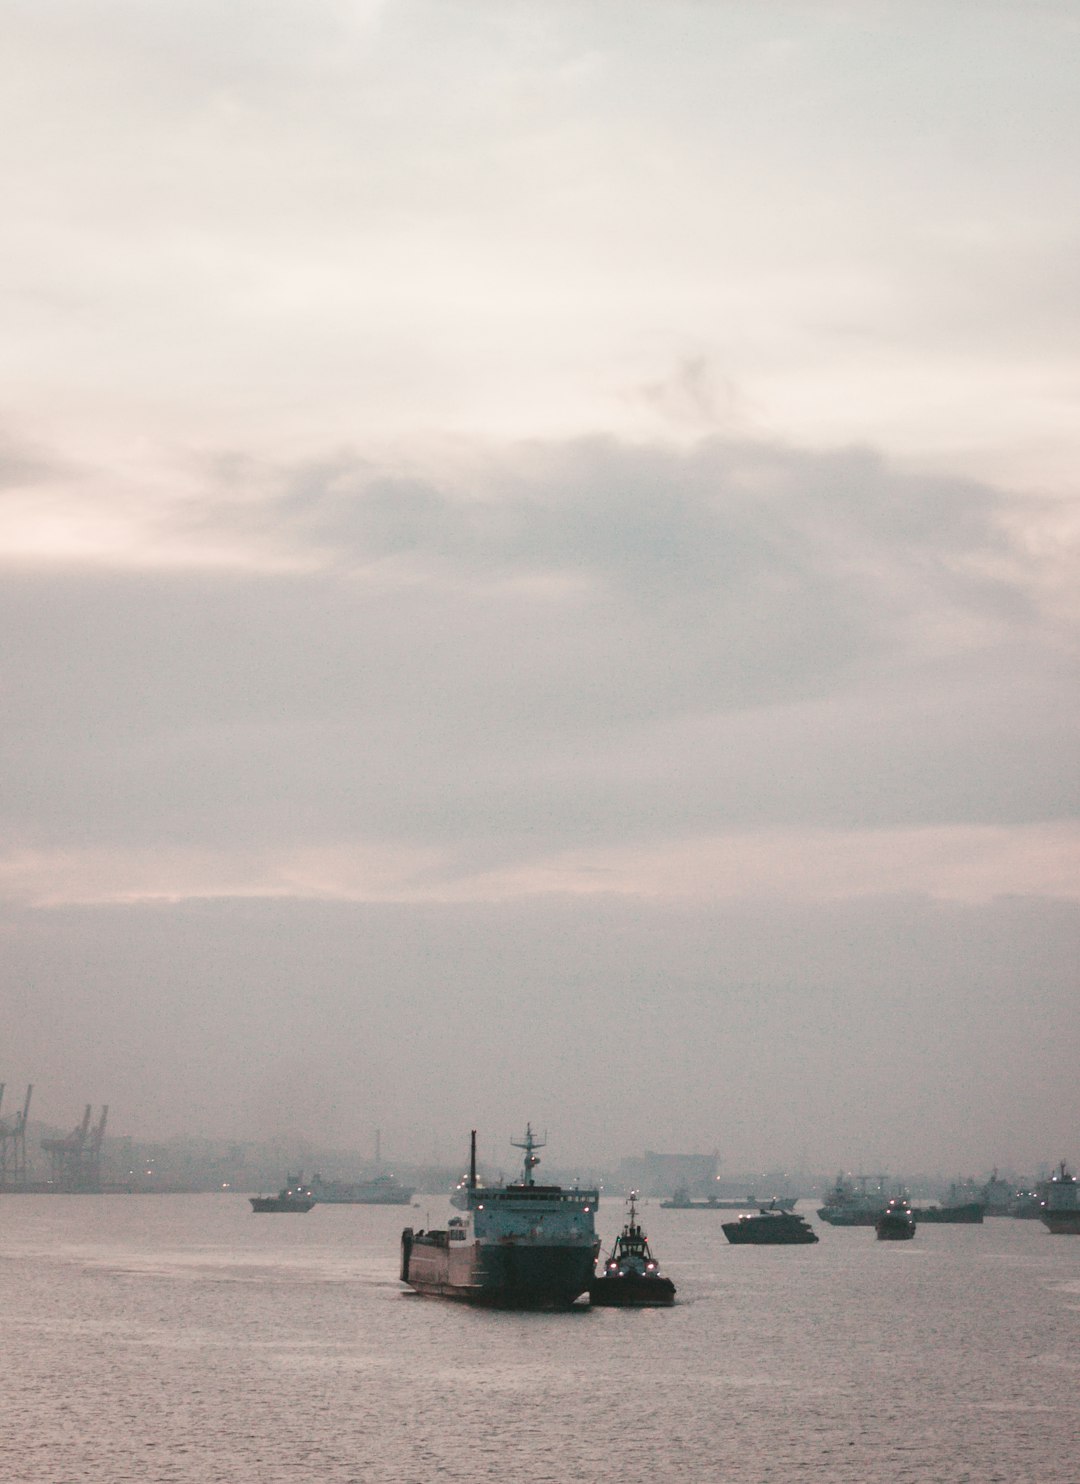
x=578, y=643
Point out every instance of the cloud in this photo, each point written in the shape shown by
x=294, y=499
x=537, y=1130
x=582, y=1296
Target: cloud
x=547, y=648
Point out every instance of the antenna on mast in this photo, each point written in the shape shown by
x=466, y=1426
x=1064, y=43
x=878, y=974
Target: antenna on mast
x=529, y=1143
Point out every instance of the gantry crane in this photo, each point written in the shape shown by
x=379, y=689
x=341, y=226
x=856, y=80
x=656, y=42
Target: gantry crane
x=76, y=1159
x=13, y=1144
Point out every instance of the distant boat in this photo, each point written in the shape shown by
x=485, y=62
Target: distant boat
x=631, y=1276
x=896, y=1223
x=997, y=1196
x=771, y=1227
x=379, y=1190
x=682, y=1201
x=294, y=1196
x=853, y=1205
x=1026, y=1205
x=1061, y=1209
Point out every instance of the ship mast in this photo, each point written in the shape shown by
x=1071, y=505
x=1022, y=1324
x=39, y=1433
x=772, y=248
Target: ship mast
x=529, y=1143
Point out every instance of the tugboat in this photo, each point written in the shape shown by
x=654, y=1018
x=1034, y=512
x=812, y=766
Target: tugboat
x=897, y=1222
x=296, y=1196
x=517, y=1246
x=1061, y=1210
x=772, y=1226
x=631, y=1275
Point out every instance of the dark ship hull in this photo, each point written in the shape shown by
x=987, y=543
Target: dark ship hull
x=677, y=1203
x=895, y=1229
x=280, y=1203
x=1062, y=1223
x=629, y=1291
x=382, y=1191
x=969, y=1214
x=501, y=1276
x=838, y=1216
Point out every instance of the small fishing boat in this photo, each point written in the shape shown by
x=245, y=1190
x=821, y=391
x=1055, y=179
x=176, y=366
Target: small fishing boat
x=631, y=1275
x=897, y=1222
x=294, y=1196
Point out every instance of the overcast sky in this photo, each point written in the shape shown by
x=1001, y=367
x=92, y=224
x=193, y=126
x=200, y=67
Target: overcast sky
x=539, y=553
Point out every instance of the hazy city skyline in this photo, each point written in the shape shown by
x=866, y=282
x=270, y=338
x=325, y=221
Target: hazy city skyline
x=539, y=552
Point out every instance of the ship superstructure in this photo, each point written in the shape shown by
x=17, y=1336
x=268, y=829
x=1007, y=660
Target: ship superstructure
x=520, y=1245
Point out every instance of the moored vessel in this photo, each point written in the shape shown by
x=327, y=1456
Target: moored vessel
x=293, y=1196
x=514, y=1246
x=850, y=1204
x=955, y=1209
x=380, y=1190
x=1027, y=1205
x=631, y=1275
x=897, y=1222
x=770, y=1227
x=997, y=1195
x=1061, y=1209
x=681, y=1200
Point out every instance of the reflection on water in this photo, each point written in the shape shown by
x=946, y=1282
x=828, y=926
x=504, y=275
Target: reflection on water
x=183, y=1339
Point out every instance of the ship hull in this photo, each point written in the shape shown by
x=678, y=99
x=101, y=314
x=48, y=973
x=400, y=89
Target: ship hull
x=279, y=1204
x=769, y=1231
x=510, y=1275
x=401, y=1198
x=969, y=1214
x=632, y=1292
x=833, y=1216
x=895, y=1230
x=1062, y=1223
x=781, y=1203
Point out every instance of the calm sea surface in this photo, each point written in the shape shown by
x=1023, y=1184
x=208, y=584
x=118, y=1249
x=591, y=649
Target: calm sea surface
x=182, y=1338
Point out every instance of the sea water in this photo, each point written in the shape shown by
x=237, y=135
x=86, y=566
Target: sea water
x=185, y=1339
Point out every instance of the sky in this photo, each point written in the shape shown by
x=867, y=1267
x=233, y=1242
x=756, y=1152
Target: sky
x=538, y=550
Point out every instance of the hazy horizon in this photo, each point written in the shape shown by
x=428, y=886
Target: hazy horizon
x=539, y=575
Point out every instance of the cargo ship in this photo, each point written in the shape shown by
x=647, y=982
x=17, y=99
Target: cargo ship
x=853, y=1205
x=380, y=1190
x=1061, y=1209
x=681, y=1200
x=514, y=1246
x=967, y=1213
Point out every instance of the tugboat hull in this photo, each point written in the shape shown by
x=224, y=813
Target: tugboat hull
x=632, y=1292
x=895, y=1229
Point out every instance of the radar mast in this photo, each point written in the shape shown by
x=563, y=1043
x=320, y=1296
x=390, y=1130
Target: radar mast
x=529, y=1143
